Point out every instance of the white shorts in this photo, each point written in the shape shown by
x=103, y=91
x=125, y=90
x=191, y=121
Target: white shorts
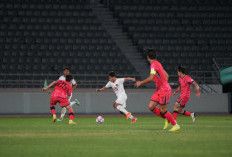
x=70, y=97
x=121, y=101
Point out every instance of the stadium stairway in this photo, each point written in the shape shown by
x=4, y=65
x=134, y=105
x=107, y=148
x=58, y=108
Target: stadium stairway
x=105, y=16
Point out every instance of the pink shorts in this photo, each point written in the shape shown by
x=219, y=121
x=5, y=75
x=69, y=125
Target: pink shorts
x=162, y=96
x=183, y=100
x=62, y=101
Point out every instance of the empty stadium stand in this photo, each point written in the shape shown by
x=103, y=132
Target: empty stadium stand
x=40, y=37
x=189, y=32
x=43, y=37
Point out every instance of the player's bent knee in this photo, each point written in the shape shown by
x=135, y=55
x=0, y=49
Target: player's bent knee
x=69, y=108
x=176, y=106
x=163, y=108
x=151, y=106
x=115, y=105
x=180, y=110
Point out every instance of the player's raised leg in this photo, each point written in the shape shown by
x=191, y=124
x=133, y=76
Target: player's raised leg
x=179, y=109
x=63, y=112
x=75, y=102
x=122, y=109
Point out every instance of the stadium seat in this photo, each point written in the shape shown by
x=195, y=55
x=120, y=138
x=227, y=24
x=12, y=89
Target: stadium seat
x=193, y=31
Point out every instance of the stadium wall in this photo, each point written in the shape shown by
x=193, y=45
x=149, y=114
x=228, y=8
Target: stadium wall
x=92, y=102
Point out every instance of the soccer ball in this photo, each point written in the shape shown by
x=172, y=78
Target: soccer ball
x=99, y=120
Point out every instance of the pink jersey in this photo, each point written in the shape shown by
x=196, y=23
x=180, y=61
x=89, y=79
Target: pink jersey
x=160, y=78
x=185, y=85
x=62, y=89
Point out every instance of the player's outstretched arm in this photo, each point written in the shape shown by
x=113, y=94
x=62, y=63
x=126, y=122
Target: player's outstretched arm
x=49, y=86
x=197, y=89
x=147, y=80
x=102, y=89
x=176, y=91
x=74, y=87
x=129, y=79
x=50, y=91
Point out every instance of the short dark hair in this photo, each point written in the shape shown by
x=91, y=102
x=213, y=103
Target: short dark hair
x=181, y=69
x=151, y=53
x=66, y=68
x=69, y=78
x=111, y=74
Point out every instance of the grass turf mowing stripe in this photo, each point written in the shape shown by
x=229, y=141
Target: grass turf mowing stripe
x=209, y=136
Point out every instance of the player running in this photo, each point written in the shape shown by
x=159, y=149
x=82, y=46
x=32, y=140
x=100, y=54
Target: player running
x=74, y=86
x=163, y=90
x=185, y=83
x=117, y=85
x=61, y=94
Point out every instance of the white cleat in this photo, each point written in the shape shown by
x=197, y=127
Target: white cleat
x=77, y=102
x=193, y=117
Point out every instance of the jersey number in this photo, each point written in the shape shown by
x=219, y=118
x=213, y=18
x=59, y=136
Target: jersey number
x=62, y=85
x=115, y=88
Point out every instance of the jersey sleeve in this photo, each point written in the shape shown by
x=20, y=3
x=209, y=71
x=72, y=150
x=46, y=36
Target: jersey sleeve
x=108, y=85
x=190, y=80
x=74, y=82
x=121, y=80
x=62, y=78
x=152, y=69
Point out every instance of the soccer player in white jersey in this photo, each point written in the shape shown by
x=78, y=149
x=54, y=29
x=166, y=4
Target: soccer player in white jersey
x=117, y=85
x=74, y=86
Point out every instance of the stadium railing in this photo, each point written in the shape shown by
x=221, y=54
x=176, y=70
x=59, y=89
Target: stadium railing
x=90, y=80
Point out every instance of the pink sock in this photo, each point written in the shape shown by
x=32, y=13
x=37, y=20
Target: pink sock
x=52, y=107
x=175, y=114
x=169, y=117
x=186, y=113
x=71, y=114
x=157, y=112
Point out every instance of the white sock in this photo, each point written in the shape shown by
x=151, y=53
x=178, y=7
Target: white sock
x=122, y=109
x=70, y=120
x=54, y=115
x=63, y=111
x=131, y=117
x=176, y=124
x=72, y=103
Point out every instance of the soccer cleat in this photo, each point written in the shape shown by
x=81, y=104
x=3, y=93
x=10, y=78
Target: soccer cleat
x=54, y=119
x=133, y=120
x=77, y=102
x=60, y=120
x=193, y=117
x=166, y=125
x=175, y=128
x=128, y=115
x=71, y=122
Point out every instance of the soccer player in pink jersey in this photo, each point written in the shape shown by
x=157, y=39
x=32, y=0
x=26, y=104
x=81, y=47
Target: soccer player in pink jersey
x=185, y=83
x=163, y=90
x=61, y=94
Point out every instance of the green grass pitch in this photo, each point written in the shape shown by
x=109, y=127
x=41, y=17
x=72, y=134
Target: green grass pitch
x=21, y=137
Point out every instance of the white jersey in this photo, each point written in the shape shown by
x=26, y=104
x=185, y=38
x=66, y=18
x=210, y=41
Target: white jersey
x=117, y=87
x=64, y=79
